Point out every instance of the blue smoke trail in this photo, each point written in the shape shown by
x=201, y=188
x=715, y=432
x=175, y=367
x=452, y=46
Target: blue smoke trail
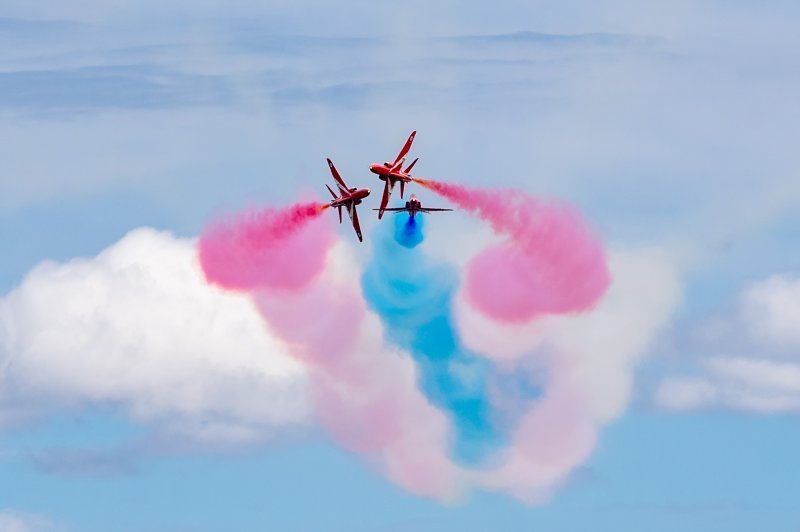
x=409, y=234
x=412, y=294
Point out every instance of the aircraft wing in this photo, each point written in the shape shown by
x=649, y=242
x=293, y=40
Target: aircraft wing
x=393, y=209
x=387, y=193
x=337, y=177
x=426, y=209
x=354, y=218
x=406, y=147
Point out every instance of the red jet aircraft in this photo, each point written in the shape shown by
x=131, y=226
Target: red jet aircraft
x=392, y=173
x=350, y=197
x=413, y=206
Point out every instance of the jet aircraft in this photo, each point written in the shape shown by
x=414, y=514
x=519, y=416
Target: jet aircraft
x=413, y=206
x=349, y=198
x=392, y=173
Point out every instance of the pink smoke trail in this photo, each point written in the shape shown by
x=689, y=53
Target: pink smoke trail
x=365, y=396
x=552, y=263
x=270, y=248
x=554, y=436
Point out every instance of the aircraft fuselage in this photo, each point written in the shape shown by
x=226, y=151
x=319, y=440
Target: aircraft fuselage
x=385, y=172
x=413, y=207
x=354, y=198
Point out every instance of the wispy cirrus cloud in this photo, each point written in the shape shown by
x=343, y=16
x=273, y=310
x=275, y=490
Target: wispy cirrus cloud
x=120, y=87
x=87, y=462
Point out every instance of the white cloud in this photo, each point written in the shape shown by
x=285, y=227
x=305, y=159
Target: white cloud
x=754, y=385
x=685, y=393
x=771, y=309
x=761, y=376
x=138, y=326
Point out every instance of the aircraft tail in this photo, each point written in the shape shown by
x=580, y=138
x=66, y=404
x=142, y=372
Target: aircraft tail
x=406, y=147
x=410, y=166
x=332, y=192
x=340, y=184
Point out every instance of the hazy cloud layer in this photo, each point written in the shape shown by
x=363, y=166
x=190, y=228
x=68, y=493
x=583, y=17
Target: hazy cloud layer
x=632, y=119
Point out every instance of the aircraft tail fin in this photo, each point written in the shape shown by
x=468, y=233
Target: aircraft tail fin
x=406, y=147
x=410, y=166
x=340, y=184
x=332, y=192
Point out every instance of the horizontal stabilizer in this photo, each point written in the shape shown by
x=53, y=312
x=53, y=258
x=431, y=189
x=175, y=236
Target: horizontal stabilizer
x=332, y=192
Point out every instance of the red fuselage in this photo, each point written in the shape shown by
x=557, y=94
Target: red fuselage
x=385, y=172
x=393, y=173
x=354, y=197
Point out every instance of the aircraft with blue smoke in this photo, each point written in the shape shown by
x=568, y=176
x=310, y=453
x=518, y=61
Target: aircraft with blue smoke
x=413, y=206
x=348, y=199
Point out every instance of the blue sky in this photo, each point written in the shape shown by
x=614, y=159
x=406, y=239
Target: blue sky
x=673, y=127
